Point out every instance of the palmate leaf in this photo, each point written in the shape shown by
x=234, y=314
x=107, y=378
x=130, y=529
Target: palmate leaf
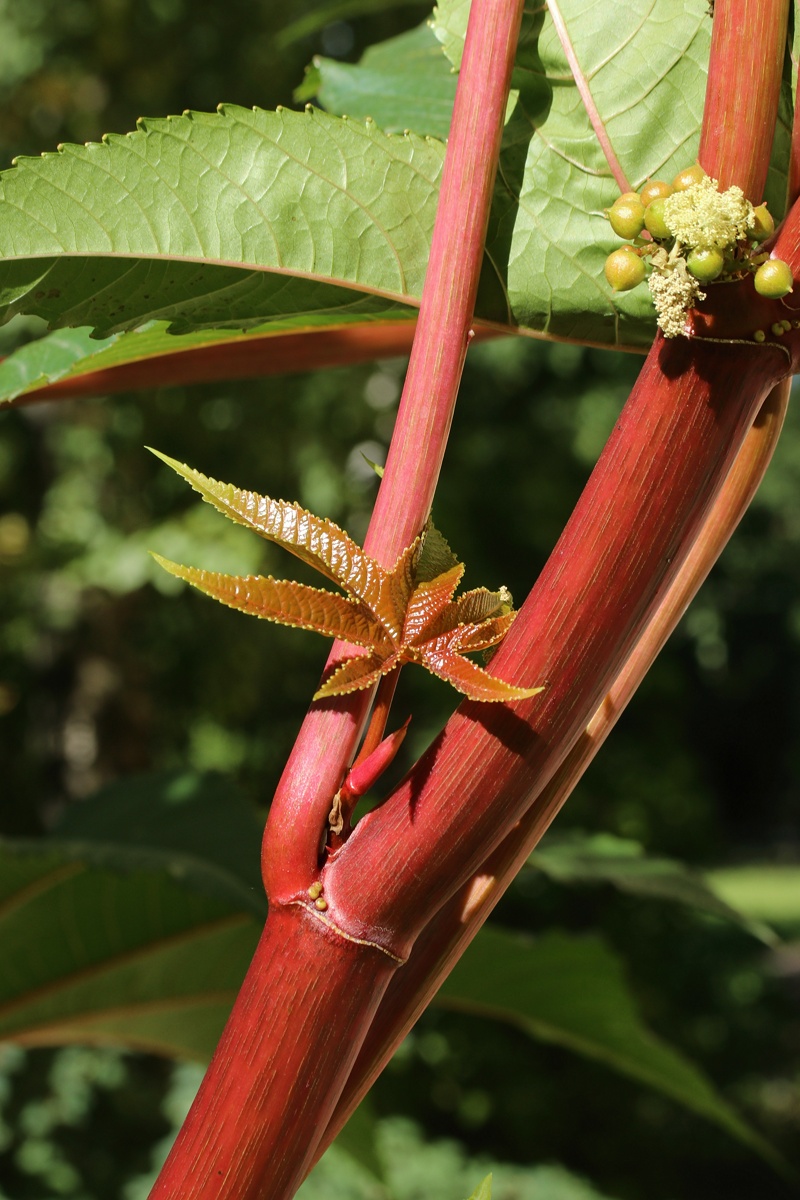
x=394, y=615
x=403, y=83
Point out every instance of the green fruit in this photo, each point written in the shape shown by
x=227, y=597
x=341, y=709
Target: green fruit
x=654, y=219
x=624, y=269
x=764, y=224
x=655, y=189
x=687, y=178
x=774, y=279
x=627, y=196
x=705, y=265
x=626, y=217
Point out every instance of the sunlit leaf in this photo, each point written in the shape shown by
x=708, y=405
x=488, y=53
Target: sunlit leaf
x=582, y=859
x=394, y=615
x=403, y=83
x=484, y=1190
x=285, y=602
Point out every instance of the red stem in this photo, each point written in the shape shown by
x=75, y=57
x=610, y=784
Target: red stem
x=636, y=520
x=326, y=741
x=744, y=84
x=282, y=1062
x=253, y=1142
x=446, y=936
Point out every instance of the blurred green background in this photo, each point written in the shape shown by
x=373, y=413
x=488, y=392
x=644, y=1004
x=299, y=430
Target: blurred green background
x=108, y=669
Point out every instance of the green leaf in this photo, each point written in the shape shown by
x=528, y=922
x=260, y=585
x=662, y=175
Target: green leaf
x=220, y=220
x=231, y=220
x=403, y=83
x=578, y=858
x=484, y=1190
x=571, y=991
x=296, y=343
x=198, y=827
x=335, y=10
x=765, y=891
x=96, y=956
x=47, y=359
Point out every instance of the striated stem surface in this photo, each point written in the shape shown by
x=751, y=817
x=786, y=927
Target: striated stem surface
x=744, y=83
x=446, y=936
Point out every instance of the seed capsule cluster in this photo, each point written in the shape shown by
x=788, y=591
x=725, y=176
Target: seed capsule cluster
x=690, y=233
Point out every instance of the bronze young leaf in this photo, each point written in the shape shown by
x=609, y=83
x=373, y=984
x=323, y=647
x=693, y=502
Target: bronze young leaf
x=407, y=614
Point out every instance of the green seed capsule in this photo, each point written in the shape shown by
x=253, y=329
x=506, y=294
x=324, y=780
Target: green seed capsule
x=764, y=224
x=627, y=196
x=705, y=265
x=687, y=178
x=654, y=219
x=654, y=189
x=624, y=269
x=774, y=279
x=759, y=335
x=627, y=218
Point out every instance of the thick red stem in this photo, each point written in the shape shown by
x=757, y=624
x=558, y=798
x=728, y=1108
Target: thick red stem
x=449, y=932
x=744, y=82
x=635, y=522
x=249, y=1138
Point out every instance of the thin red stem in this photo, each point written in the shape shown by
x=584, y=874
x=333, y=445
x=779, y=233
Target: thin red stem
x=379, y=716
x=313, y=988
x=326, y=741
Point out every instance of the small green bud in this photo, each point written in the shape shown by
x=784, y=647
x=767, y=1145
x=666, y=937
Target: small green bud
x=624, y=269
x=774, y=279
x=627, y=217
x=777, y=328
x=687, y=178
x=764, y=225
x=654, y=219
x=705, y=265
x=759, y=335
x=654, y=189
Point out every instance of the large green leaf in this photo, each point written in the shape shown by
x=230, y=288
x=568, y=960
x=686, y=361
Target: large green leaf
x=148, y=820
x=228, y=220
x=94, y=955
x=571, y=991
x=241, y=218
x=222, y=220
x=577, y=858
x=137, y=922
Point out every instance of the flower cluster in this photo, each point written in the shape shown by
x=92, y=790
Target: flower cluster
x=692, y=233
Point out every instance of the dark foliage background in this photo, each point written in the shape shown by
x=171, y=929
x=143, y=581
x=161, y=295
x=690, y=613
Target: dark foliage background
x=105, y=670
